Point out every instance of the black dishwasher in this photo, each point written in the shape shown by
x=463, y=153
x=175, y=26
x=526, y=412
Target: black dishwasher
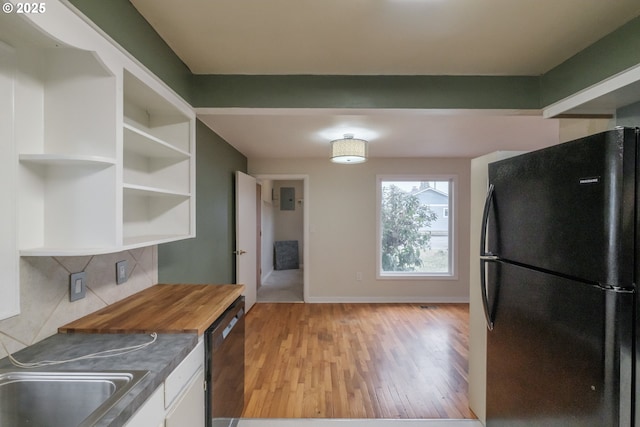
x=225, y=367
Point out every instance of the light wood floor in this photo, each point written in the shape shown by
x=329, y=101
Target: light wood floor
x=356, y=361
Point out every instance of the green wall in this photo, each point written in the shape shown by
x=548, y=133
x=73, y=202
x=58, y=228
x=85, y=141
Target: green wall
x=122, y=22
x=629, y=116
x=209, y=257
x=612, y=54
x=466, y=92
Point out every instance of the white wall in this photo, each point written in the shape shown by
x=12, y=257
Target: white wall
x=288, y=225
x=570, y=129
x=477, y=324
x=267, y=239
x=342, y=228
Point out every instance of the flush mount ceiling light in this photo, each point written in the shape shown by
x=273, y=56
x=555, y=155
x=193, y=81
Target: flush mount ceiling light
x=348, y=150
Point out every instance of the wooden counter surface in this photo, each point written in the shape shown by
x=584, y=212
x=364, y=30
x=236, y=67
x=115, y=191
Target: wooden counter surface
x=161, y=309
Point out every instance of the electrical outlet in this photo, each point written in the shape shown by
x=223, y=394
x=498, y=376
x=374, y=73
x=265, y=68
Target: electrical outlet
x=359, y=276
x=77, y=286
x=121, y=272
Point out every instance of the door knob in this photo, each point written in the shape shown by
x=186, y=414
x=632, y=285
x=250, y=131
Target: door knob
x=239, y=252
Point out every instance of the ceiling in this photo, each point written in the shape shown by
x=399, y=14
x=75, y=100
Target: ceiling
x=381, y=37
x=306, y=133
x=437, y=37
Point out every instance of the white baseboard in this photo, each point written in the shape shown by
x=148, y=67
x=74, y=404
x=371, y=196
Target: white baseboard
x=265, y=276
x=417, y=300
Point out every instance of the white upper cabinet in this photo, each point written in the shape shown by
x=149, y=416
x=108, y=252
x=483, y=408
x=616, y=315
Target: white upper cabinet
x=104, y=150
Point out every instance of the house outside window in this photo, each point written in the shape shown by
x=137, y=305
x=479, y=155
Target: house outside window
x=415, y=217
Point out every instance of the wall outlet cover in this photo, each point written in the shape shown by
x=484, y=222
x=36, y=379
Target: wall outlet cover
x=77, y=286
x=121, y=272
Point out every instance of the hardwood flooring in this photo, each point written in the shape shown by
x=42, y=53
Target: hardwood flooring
x=356, y=361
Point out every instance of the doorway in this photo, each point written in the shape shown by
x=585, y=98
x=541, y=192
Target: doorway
x=283, y=238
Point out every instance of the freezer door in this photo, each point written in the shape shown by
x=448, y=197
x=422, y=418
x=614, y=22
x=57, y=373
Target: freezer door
x=568, y=208
x=560, y=352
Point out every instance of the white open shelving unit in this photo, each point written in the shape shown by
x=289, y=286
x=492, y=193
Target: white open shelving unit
x=105, y=152
x=158, y=164
x=65, y=133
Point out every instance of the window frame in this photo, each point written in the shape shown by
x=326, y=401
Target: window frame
x=452, y=274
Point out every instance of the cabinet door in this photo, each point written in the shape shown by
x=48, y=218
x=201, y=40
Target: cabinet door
x=189, y=410
x=151, y=413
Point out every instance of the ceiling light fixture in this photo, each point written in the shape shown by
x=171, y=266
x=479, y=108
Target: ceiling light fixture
x=348, y=150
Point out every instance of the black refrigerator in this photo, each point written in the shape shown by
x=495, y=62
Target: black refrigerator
x=559, y=265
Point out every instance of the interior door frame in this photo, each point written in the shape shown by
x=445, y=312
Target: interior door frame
x=258, y=235
x=305, y=220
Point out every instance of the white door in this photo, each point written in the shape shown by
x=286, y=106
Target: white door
x=246, y=248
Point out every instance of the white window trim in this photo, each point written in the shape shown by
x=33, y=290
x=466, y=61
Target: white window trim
x=453, y=229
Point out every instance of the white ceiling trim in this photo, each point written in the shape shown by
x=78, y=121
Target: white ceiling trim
x=365, y=111
x=601, y=98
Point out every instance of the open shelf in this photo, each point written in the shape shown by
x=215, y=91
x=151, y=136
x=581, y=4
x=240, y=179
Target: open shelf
x=152, y=115
x=67, y=205
x=133, y=242
x=149, y=213
x=151, y=162
x=66, y=160
x=69, y=101
x=142, y=191
x=140, y=142
x=61, y=251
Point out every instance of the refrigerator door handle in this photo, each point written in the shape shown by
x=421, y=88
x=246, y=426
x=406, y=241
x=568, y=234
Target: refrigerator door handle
x=483, y=290
x=485, y=221
x=486, y=257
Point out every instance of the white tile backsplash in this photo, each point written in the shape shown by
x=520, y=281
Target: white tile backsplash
x=44, y=291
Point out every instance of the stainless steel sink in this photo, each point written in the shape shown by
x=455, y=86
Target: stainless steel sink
x=61, y=398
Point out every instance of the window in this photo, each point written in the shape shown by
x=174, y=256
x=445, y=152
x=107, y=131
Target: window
x=415, y=226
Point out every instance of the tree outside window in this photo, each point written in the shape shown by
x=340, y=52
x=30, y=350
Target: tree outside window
x=414, y=227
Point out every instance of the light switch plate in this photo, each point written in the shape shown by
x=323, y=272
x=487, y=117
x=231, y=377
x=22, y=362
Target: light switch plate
x=121, y=272
x=77, y=286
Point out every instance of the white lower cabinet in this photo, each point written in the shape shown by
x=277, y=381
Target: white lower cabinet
x=179, y=401
x=189, y=410
x=178, y=380
x=152, y=413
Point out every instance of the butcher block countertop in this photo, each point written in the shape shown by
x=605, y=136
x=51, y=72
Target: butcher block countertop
x=162, y=309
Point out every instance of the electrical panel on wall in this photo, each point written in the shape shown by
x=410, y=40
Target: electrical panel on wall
x=287, y=199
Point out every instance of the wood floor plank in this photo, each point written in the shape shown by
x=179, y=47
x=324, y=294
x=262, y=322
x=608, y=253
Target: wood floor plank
x=357, y=361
